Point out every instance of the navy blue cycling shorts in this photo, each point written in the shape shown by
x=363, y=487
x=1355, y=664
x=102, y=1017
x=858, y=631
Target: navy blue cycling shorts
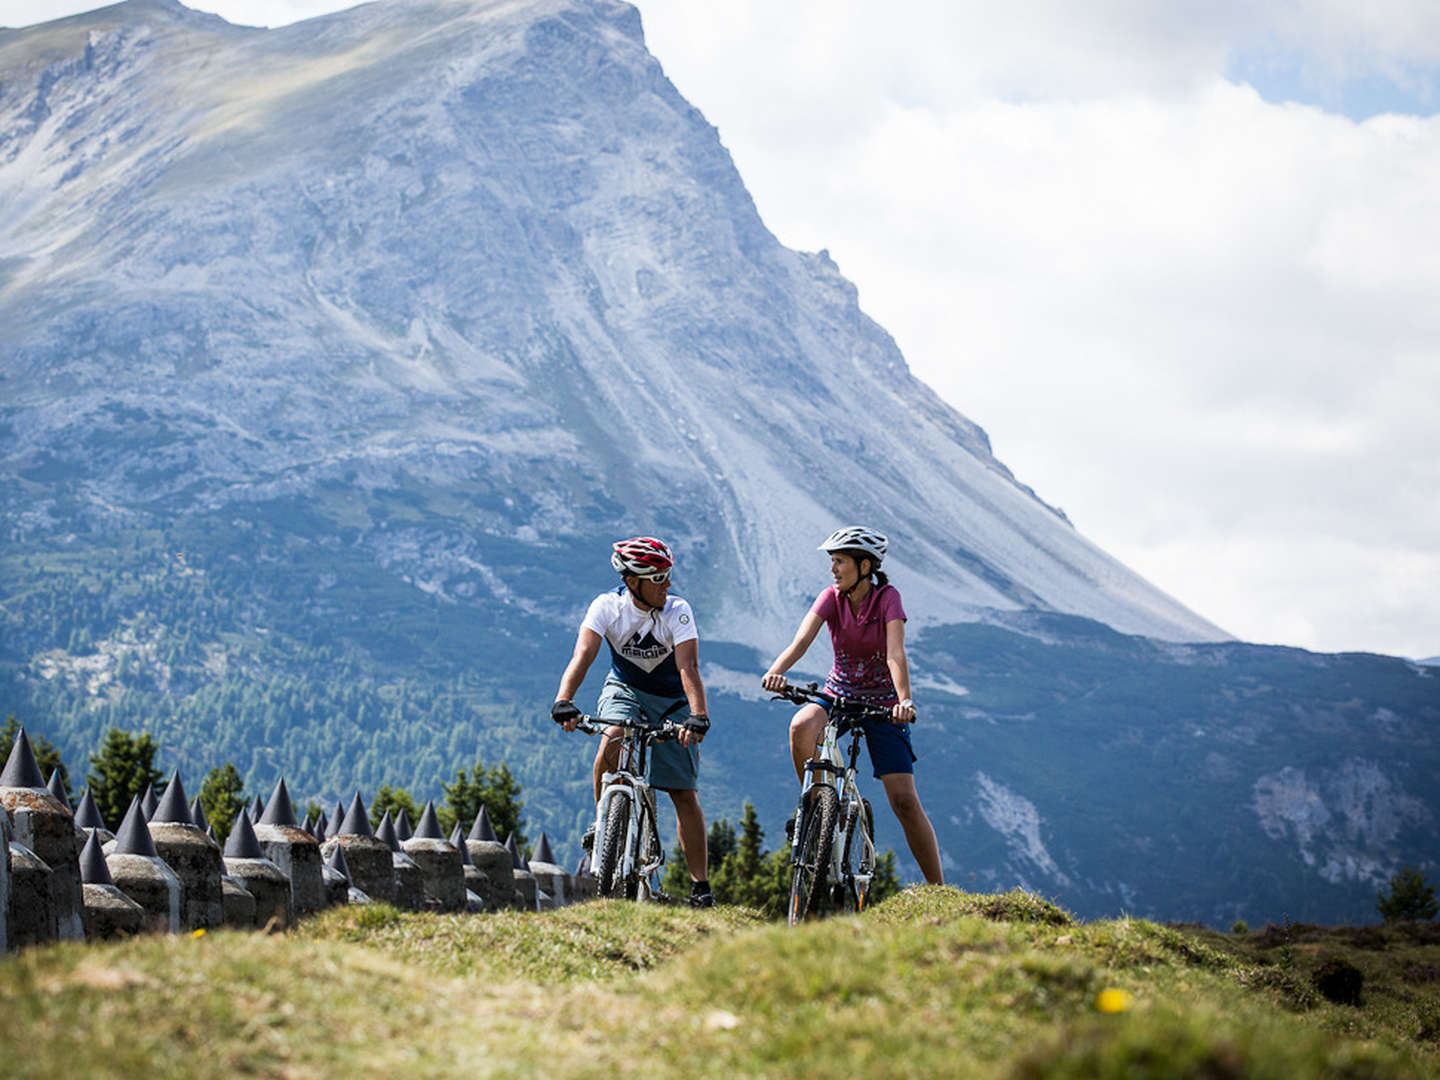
x=889, y=747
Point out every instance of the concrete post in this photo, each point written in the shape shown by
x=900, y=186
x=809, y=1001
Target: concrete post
x=476, y=883
x=369, y=862
x=494, y=861
x=293, y=850
x=442, y=869
x=409, y=878
x=550, y=876
x=142, y=875
x=527, y=892
x=109, y=913
x=245, y=861
x=43, y=824
x=193, y=856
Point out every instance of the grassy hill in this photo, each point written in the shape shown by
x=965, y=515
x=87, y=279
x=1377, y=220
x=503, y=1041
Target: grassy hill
x=933, y=982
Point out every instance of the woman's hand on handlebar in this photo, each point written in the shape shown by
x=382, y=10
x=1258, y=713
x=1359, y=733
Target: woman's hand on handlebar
x=903, y=712
x=773, y=681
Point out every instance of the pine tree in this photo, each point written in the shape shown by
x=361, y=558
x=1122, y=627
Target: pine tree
x=221, y=797
x=744, y=877
x=394, y=800
x=496, y=789
x=46, y=755
x=1411, y=898
x=122, y=769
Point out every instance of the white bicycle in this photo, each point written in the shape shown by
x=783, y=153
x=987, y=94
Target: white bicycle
x=832, y=850
x=627, y=853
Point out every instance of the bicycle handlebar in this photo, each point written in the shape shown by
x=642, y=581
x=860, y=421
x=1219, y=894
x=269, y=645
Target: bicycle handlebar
x=594, y=725
x=811, y=693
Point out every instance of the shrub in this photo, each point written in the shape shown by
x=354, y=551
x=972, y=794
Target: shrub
x=1339, y=981
x=1240, y=926
x=1411, y=898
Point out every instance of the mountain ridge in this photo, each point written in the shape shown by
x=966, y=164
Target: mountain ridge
x=395, y=336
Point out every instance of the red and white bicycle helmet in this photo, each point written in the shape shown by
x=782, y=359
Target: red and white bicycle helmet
x=857, y=538
x=643, y=556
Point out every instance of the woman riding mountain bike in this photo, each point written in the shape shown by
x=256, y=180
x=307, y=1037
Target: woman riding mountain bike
x=867, y=630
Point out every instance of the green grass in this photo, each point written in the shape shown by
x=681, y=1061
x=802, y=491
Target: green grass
x=932, y=983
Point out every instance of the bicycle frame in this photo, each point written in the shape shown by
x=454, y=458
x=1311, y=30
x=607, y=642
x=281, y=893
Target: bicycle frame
x=642, y=853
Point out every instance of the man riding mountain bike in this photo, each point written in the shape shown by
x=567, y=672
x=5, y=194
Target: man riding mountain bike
x=654, y=675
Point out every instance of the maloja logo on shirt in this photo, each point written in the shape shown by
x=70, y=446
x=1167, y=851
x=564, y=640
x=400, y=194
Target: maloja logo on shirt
x=643, y=648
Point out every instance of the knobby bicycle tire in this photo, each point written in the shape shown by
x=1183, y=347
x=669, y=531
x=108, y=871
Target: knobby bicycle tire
x=812, y=864
x=617, y=825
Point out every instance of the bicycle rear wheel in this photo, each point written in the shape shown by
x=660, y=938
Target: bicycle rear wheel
x=812, y=858
x=855, y=856
x=617, y=826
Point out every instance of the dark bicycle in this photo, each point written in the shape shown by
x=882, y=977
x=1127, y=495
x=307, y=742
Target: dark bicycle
x=834, y=839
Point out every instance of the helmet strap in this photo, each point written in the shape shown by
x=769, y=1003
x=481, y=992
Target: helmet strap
x=640, y=601
x=859, y=577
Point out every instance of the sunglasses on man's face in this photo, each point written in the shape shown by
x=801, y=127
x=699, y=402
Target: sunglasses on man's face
x=663, y=579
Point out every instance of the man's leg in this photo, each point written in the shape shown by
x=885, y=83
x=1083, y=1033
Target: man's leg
x=919, y=833
x=690, y=827
x=607, y=757
x=805, y=729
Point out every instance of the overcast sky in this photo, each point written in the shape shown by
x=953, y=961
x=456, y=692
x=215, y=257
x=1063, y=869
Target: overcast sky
x=1181, y=260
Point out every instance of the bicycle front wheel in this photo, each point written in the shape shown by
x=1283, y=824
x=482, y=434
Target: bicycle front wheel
x=812, y=859
x=617, y=826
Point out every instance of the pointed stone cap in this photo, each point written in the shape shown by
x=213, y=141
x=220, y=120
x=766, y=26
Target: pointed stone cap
x=241, y=844
x=457, y=838
x=337, y=818
x=22, y=770
x=357, y=822
x=482, y=829
x=148, y=801
x=56, y=787
x=429, y=827
x=279, y=810
x=87, y=814
x=93, y=868
x=386, y=831
x=543, y=852
x=257, y=811
x=173, y=806
x=402, y=825
x=133, y=838
x=516, y=859
x=337, y=862
x=322, y=826
x=582, y=868
x=197, y=814
x=210, y=830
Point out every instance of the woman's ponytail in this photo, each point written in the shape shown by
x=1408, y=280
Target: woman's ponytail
x=881, y=579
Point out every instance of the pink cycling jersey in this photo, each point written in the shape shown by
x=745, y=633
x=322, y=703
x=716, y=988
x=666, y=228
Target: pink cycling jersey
x=858, y=639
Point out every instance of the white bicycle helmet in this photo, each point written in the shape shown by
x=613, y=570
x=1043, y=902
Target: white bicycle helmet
x=643, y=556
x=857, y=538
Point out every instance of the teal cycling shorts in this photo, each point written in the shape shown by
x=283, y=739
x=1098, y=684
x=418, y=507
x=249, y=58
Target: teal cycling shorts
x=671, y=767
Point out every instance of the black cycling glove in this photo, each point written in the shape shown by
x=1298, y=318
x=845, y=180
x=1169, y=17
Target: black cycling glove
x=697, y=723
x=563, y=711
